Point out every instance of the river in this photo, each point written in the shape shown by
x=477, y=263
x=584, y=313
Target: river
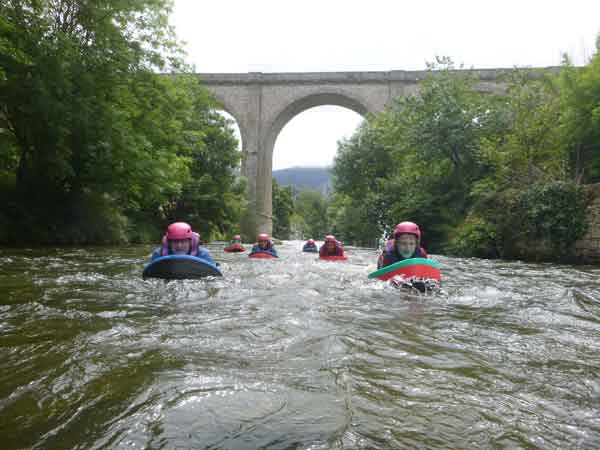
x=294, y=353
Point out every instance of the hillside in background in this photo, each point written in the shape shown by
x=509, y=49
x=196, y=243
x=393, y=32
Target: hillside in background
x=303, y=178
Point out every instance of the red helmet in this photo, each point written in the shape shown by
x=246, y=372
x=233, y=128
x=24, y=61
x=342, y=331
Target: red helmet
x=311, y=241
x=263, y=237
x=407, y=228
x=179, y=230
x=330, y=238
x=237, y=237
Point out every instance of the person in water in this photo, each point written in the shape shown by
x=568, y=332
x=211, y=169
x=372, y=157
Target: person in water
x=181, y=240
x=331, y=247
x=237, y=240
x=264, y=245
x=405, y=243
x=310, y=246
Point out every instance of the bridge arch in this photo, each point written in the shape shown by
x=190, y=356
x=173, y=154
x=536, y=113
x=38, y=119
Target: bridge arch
x=279, y=119
x=232, y=108
x=283, y=117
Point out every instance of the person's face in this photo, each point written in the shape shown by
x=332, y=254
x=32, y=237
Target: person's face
x=180, y=246
x=330, y=245
x=406, y=244
x=263, y=244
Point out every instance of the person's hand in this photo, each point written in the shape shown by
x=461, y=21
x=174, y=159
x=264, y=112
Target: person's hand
x=399, y=281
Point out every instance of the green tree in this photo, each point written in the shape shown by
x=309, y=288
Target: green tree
x=478, y=172
x=580, y=118
x=96, y=146
x=283, y=208
x=417, y=160
x=362, y=170
x=208, y=196
x=351, y=223
x=311, y=207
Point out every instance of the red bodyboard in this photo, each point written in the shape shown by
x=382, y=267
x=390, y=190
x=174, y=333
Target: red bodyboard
x=261, y=255
x=235, y=248
x=416, y=270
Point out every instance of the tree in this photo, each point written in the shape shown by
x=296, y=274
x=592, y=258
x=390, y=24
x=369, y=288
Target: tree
x=283, y=208
x=101, y=146
x=311, y=207
x=351, y=223
x=417, y=160
x=362, y=169
x=470, y=168
x=580, y=118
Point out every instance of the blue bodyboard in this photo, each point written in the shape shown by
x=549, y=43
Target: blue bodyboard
x=181, y=267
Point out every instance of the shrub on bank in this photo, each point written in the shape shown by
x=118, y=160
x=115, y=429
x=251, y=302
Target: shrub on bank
x=553, y=213
x=540, y=223
x=475, y=237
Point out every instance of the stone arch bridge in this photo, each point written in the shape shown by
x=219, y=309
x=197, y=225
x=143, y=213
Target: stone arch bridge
x=263, y=103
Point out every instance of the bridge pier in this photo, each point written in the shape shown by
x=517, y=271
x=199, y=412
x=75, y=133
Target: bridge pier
x=258, y=172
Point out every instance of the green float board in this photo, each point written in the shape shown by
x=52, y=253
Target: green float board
x=404, y=263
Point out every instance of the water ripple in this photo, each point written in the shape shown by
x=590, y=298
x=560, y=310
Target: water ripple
x=295, y=353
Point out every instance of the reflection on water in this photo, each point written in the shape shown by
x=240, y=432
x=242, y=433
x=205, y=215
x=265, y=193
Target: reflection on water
x=295, y=353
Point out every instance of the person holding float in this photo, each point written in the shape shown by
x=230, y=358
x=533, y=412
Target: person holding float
x=181, y=240
x=180, y=256
x=331, y=248
x=405, y=263
x=264, y=248
x=235, y=245
x=310, y=246
x=405, y=244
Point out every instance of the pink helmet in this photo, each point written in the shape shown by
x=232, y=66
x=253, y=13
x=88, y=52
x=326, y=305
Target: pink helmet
x=179, y=230
x=311, y=241
x=263, y=237
x=237, y=237
x=330, y=238
x=407, y=228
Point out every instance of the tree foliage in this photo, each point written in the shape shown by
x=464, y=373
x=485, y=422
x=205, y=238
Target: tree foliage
x=580, y=118
x=283, y=208
x=103, y=134
x=483, y=174
x=311, y=219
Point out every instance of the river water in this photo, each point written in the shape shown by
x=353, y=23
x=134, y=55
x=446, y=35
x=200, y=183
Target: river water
x=295, y=353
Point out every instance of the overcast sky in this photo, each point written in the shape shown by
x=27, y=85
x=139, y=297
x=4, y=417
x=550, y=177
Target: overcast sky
x=331, y=35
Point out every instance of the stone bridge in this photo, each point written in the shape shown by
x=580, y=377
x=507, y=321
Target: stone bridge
x=263, y=103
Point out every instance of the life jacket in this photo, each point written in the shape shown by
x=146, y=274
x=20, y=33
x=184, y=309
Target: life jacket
x=324, y=251
x=164, y=250
x=270, y=249
x=267, y=248
x=390, y=256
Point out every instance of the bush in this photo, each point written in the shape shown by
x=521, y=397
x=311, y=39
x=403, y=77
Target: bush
x=552, y=212
x=475, y=237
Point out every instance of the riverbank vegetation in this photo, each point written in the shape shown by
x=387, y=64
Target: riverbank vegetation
x=484, y=174
x=105, y=134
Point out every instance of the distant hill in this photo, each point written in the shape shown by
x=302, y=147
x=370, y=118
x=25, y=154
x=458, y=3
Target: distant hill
x=303, y=178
